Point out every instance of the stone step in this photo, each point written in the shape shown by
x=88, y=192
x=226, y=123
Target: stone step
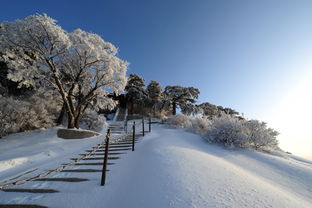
x=123, y=149
x=101, y=158
x=110, y=153
x=97, y=158
x=110, y=150
x=130, y=141
x=99, y=150
x=119, y=146
x=31, y=190
x=82, y=171
x=93, y=163
x=62, y=179
x=136, y=141
x=21, y=206
x=120, y=143
x=124, y=142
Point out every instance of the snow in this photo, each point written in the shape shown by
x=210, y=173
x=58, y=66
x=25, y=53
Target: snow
x=170, y=168
x=40, y=150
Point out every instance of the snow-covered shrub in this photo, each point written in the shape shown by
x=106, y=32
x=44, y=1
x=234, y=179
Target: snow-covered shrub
x=260, y=136
x=191, y=123
x=231, y=131
x=93, y=121
x=199, y=125
x=179, y=120
x=228, y=131
x=35, y=112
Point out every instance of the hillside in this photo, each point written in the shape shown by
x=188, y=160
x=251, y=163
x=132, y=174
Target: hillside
x=173, y=168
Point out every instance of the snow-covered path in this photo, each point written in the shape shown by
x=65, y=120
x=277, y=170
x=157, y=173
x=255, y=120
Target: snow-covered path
x=173, y=168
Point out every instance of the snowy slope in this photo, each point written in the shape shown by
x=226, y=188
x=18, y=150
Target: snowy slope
x=38, y=151
x=178, y=169
x=173, y=168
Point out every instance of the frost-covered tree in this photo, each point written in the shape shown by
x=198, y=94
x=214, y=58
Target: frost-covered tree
x=260, y=136
x=136, y=93
x=92, y=120
x=154, y=91
x=155, y=95
x=179, y=120
x=191, y=109
x=162, y=108
x=177, y=96
x=80, y=65
x=34, y=112
x=228, y=131
x=9, y=87
x=193, y=124
x=209, y=110
x=228, y=111
x=233, y=131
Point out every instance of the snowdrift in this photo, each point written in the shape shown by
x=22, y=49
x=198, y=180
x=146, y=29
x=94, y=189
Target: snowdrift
x=174, y=168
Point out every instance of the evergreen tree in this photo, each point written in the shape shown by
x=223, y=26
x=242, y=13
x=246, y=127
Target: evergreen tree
x=209, y=110
x=136, y=93
x=191, y=109
x=154, y=92
x=177, y=96
x=155, y=95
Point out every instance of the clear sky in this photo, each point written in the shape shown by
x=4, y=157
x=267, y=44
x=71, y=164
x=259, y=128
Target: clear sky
x=253, y=56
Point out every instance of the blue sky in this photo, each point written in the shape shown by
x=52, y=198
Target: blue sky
x=249, y=55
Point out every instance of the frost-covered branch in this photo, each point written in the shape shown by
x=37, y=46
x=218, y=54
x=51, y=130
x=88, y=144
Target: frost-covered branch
x=79, y=64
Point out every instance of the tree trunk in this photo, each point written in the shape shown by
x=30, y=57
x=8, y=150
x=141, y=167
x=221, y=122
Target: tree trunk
x=174, y=107
x=77, y=123
x=71, y=121
x=80, y=113
x=60, y=118
x=132, y=108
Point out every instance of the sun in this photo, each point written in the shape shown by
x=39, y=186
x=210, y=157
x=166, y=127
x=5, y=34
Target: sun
x=292, y=118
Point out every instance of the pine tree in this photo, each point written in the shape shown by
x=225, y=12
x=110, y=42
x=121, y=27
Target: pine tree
x=209, y=110
x=136, y=93
x=177, y=96
x=154, y=92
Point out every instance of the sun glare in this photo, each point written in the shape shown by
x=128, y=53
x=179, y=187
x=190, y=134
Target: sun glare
x=292, y=118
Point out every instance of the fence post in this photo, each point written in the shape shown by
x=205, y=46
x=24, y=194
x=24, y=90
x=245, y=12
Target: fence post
x=126, y=127
x=149, y=124
x=103, y=179
x=133, y=135
x=143, y=126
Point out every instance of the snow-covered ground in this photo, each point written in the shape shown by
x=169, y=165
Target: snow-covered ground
x=170, y=168
x=38, y=151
